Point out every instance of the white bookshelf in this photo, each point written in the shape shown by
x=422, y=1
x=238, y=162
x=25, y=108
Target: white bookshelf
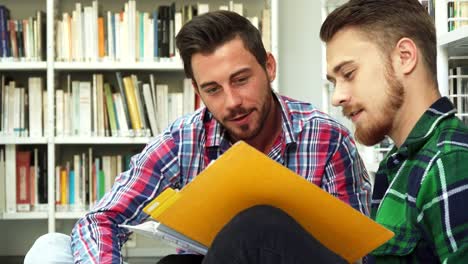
x=452, y=51
x=24, y=216
x=69, y=215
x=101, y=140
x=53, y=71
x=172, y=65
x=22, y=140
x=22, y=66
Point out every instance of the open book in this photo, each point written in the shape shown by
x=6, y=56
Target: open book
x=244, y=177
x=153, y=229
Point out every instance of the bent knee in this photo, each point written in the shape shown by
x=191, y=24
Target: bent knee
x=50, y=248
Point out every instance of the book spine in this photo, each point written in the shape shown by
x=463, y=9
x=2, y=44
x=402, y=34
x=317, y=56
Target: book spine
x=10, y=178
x=64, y=187
x=110, y=109
x=13, y=41
x=23, y=180
x=19, y=37
x=132, y=104
x=3, y=32
x=2, y=181
x=155, y=34
x=43, y=183
x=120, y=84
x=101, y=37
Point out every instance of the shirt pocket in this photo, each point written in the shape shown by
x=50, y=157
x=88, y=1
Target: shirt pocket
x=396, y=217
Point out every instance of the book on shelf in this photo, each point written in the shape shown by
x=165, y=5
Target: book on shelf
x=244, y=177
x=26, y=178
x=22, y=106
x=23, y=39
x=85, y=178
x=88, y=33
x=99, y=108
x=2, y=180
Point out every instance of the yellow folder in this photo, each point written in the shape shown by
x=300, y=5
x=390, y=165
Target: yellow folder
x=244, y=177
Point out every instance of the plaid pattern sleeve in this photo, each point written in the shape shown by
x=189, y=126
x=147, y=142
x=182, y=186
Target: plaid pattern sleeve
x=420, y=191
x=97, y=238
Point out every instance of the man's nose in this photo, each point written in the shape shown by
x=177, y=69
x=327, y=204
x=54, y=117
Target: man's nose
x=340, y=95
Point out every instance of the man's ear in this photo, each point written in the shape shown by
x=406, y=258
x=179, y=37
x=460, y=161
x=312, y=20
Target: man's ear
x=195, y=87
x=270, y=67
x=406, y=56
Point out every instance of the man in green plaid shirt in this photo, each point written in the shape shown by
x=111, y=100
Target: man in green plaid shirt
x=381, y=57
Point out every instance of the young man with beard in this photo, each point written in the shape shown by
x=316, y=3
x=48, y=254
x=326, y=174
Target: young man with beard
x=381, y=57
x=231, y=72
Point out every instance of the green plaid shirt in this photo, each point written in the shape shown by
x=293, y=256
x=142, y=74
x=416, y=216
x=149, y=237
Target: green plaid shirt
x=421, y=190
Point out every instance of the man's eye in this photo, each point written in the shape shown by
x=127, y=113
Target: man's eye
x=348, y=75
x=212, y=90
x=241, y=81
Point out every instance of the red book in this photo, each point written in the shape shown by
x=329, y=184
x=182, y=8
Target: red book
x=23, y=180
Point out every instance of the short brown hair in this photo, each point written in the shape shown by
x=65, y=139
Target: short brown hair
x=207, y=32
x=386, y=22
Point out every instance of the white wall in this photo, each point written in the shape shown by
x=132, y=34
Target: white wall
x=300, y=54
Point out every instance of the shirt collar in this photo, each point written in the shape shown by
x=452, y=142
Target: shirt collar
x=216, y=134
x=426, y=125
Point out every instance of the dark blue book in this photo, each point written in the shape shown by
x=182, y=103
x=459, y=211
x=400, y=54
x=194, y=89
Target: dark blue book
x=164, y=21
x=19, y=37
x=4, y=36
x=172, y=48
x=156, y=33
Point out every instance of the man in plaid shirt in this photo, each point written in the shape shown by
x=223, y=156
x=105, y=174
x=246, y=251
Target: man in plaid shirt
x=381, y=57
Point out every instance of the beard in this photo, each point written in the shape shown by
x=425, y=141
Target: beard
x=254, y=127
x=377, y=128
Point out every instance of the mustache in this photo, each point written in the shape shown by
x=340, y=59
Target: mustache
x=234, y=113
x=347, y=110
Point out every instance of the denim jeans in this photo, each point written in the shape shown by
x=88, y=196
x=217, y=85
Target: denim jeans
x=261, y=235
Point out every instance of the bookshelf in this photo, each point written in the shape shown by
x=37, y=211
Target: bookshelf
x=451, y=20
x=54, y=72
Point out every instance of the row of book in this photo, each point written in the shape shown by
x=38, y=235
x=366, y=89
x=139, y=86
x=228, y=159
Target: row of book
x=129, y=35
x=22, y=107
x=22, y=39
x=458, y=91
x=79, y=182
x=133, y=108
x=26, y=188
x=83, y=181
x=130, y=108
